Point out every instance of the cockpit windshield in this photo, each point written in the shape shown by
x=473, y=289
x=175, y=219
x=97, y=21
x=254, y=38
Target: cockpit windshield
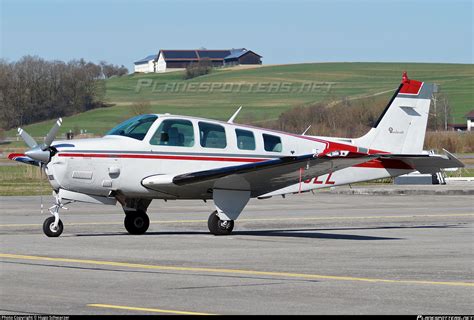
x=135, y=128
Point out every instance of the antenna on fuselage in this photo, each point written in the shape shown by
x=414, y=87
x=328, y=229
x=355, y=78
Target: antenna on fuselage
x=306, y=130
x=231, y=120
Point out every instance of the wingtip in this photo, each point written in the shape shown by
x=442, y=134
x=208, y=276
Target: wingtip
x=453, y=157
x=449, y=154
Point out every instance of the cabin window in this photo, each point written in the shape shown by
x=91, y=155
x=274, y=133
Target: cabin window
x=272, y=143
x=135, y=128
x=174, y=133
x=212, y=135
x=245, y=139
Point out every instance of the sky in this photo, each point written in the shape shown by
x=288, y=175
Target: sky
x=123, y=31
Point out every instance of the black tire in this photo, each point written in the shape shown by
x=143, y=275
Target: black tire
x=49, y=230
x=136, y=222
x=219, y=227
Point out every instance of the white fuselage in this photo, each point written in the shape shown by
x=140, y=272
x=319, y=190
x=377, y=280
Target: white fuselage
x=119, y=163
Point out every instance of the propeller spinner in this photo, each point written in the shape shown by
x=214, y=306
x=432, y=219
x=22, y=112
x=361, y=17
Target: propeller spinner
x=40, y=152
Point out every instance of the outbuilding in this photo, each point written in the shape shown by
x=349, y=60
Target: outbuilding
x=242, y=56
x=470, y=121
x=147, y=64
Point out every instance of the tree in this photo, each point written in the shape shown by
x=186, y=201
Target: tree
x=440, y=112
x=110, y=70
x=33, y=89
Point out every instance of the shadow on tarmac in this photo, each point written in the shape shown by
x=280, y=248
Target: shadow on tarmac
x=289, y=233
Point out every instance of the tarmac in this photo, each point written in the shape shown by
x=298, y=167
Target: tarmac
x=453, y=187
x=327, y=253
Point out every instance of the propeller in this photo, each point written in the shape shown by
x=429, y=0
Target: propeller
x=41, y=152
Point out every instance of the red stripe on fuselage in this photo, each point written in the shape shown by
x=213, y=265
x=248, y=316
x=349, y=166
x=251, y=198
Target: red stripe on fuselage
x=165, y=157
x=376, y=163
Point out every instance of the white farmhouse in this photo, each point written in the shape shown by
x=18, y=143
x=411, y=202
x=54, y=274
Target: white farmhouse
x=147, y=64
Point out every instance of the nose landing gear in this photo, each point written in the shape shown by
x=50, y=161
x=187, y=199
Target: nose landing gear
x=53, y=226
x=51, y=229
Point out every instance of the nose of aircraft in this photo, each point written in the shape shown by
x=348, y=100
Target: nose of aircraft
x=41, y=152
x=37, y=153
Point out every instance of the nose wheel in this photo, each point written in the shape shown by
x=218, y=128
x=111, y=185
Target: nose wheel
x=52, y=230
x=136, y=222
x=219, y=227
x=53, y=226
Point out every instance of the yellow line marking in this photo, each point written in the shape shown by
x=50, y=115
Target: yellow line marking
x=231, y=271
x=257, y=220
x=110, y=306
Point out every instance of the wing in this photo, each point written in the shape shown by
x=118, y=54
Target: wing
x=260, y=178
x=267, y=176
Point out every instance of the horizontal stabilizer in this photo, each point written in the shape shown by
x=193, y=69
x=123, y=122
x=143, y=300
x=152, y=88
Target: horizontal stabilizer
x=426, y=163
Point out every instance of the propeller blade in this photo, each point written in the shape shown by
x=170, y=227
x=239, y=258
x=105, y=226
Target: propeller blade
x=27, y=138
x=52, y=134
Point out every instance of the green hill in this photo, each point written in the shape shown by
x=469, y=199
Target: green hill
x=265, y=91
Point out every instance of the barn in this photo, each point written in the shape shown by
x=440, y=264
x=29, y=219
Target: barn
x=242, y=56
x=169, y=60
x=179, y=59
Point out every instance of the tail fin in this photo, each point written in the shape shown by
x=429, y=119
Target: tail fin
x=401, y=127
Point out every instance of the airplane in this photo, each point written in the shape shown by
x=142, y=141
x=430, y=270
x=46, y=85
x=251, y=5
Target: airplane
x=172, y=157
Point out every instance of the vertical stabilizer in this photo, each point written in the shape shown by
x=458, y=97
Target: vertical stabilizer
x=401, y=127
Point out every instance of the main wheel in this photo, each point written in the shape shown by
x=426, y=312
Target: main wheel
x=136, y=222
x=50, y=230
x=219, y=227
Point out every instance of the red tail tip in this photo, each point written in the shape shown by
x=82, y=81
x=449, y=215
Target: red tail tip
x=405, y=77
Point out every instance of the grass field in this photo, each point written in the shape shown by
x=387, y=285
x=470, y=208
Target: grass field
x=264, y=92
x=23, y=180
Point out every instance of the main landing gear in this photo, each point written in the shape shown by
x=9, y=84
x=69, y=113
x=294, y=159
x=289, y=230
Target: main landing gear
x=219, y=227
x=136, y=222
x=229, y=204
